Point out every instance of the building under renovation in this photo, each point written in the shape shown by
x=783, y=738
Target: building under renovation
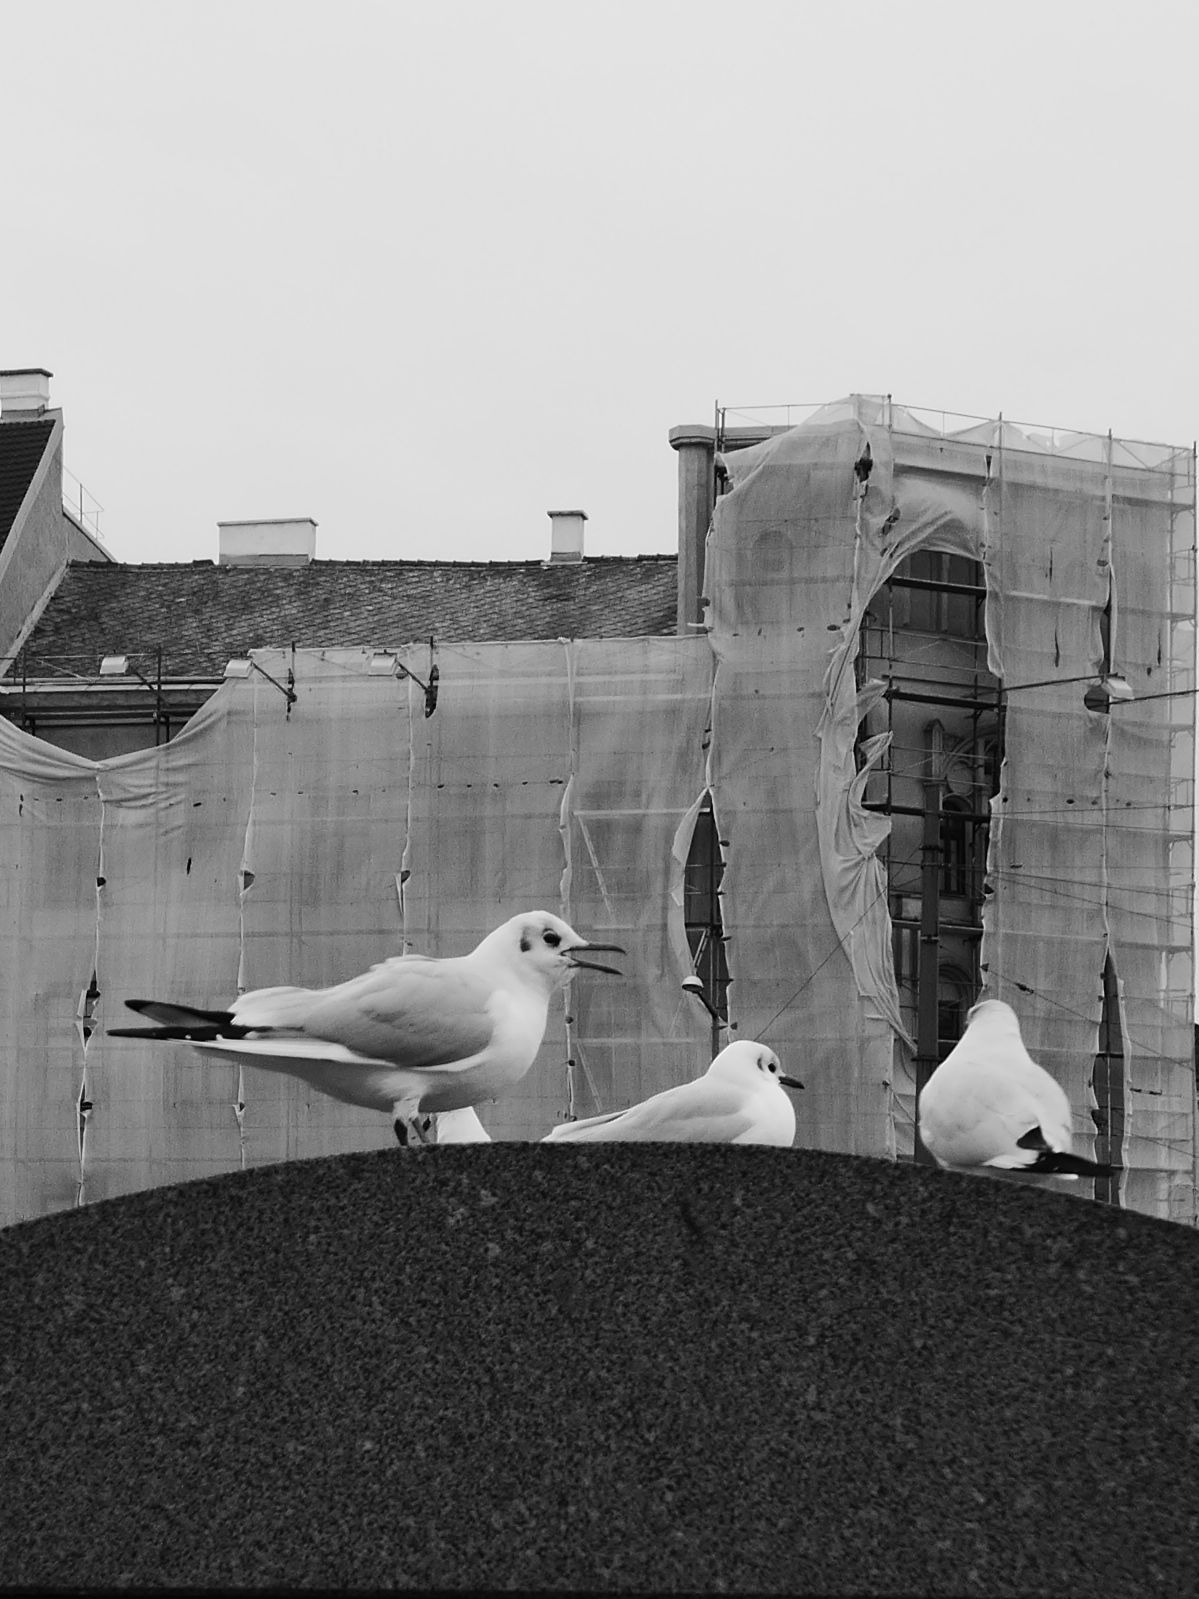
x=922, y=729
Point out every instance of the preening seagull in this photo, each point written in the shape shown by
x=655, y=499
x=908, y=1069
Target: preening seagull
x=738, y=1100
x=412, y=1036
x=989, y=1104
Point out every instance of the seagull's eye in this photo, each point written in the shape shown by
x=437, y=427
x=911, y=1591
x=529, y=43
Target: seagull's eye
x=552, y=940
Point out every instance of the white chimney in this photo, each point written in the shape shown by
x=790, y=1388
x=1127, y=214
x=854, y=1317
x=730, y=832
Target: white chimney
x=566, y=535
x=286, y=541
x=24, y=393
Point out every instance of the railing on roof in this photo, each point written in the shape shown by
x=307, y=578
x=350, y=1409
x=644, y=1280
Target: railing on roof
x=925, y=422
x=80, y=504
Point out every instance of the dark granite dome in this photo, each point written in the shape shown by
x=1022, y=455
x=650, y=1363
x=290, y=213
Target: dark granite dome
x=622, y=1367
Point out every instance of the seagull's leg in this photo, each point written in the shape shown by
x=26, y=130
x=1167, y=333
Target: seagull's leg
x=410, y=1126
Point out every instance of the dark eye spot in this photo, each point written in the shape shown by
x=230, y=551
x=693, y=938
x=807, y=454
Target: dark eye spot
x=772, y=1066
x=552, y=940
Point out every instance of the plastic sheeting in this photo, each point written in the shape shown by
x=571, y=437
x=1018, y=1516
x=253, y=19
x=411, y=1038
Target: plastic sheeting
x=274, y=842
x=1091, y=843
x=302, y=841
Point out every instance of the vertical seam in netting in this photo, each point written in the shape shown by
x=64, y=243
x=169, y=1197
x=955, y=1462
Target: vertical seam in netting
x=85, y=1034
x=406, y=853
x=717, y=800
x=1108, y=557
x=245, y=873
x=566, y=883
x=245, y=877
x=992, y=531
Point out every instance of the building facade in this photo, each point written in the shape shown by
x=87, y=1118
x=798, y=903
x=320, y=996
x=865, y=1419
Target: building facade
x=910, y=719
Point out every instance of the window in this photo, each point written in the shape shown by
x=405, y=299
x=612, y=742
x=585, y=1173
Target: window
x=1107, y=1080
x=963, y=841
x=701, y=910
x=955, y=995
x=938, y=610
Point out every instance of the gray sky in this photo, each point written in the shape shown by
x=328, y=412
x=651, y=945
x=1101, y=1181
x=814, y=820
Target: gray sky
x=426, y=271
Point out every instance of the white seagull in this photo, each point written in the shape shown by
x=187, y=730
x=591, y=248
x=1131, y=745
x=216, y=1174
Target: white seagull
x=413, y=1036
x=989, y=1104
x=738, y=1100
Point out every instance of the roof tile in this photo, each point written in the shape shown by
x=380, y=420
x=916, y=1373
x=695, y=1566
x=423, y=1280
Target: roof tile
x=201, y=614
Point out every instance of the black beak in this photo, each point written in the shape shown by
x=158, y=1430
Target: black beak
x=594, y=966
x=789, y=1082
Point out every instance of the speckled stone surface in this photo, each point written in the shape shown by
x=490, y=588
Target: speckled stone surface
x=622, y=1367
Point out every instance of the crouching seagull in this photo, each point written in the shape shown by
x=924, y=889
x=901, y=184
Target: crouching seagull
x=413, y=1036
x=989, y=1104
x=738, y=1100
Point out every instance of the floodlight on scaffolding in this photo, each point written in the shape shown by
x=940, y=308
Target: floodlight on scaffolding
x=238, y=667
x=382, y=663
x=114, y=665
x=1102, y=688
x=1115, y=686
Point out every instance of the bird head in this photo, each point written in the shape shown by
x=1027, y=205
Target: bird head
x=548, y=948
x=994, y=1016
x=747, y=1062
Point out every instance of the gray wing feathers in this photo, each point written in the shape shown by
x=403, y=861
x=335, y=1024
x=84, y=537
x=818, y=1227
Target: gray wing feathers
x=699, y=1112
x=422, y=1013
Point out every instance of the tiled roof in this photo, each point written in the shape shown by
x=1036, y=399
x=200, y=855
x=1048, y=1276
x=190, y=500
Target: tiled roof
x=203, y=614
x=22, y=445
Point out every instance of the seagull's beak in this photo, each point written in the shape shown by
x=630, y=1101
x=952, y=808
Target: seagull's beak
x=594, y=966
x=789, y=1082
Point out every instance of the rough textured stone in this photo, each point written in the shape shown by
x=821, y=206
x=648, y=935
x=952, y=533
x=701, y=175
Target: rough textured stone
x=622, y=1367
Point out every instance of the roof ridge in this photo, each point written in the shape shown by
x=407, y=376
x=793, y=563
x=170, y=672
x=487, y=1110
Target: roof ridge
x=530, y=562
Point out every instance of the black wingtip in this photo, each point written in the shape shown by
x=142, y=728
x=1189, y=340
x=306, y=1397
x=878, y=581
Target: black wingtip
x=168, y=1013
x=196, y=1034
x=1053, y=1160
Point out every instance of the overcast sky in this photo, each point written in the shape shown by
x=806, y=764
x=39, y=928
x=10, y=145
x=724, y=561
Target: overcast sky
x=426, y=271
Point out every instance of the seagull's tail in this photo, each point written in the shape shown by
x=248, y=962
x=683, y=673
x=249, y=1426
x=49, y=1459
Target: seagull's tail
x=1057, y=1160
x=274, y=1007
x=1054, y=1160
x=179, y=1021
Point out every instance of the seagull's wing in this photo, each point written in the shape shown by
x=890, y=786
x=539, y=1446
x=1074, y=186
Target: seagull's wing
x=1055, y=1115
x=703, y=1112
x=414, y=1014
x=976, y=1117
x=568, y=1129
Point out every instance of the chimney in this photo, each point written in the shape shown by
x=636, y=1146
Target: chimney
x=695, y=443
x=24, y=393
x=566, y=535
x=286, y=541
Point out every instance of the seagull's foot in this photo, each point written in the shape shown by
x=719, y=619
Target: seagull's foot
x=417, y=1129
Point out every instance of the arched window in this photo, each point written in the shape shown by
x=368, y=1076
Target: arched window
x=701, y=911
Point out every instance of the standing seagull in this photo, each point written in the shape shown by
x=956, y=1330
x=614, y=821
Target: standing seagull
x=989, y=1104
x=411, y=1036
x=738, y=1100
